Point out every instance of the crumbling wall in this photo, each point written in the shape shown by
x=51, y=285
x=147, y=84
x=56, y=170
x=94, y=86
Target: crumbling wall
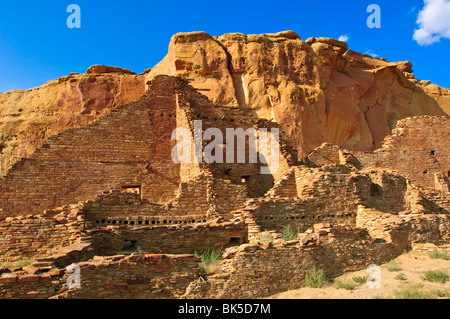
x=31, y=237
x=202, y=198
x=198, y=108
x=179, y=239
x=418, y=149
x=118, y=277
x=301, y=214
x=130, y=147
x=260, y=270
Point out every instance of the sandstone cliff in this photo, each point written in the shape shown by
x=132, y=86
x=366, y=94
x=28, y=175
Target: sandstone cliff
x=318, y=90
x=29, y=117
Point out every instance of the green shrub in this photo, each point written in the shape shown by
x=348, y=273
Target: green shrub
x=436, y=254
x=400, y=277
x=266, y=237
x=442, y=294
x=210, y=260
x=17, y=264
x=289, y=233
x=392, y=266
x=316, y=278
x=344, y=284
x=360, y=279
x=413, y=292
x=435, y=276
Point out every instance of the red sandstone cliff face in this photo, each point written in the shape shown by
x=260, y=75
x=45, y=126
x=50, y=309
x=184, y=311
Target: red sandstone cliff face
x=28, y=118
x=317, y=89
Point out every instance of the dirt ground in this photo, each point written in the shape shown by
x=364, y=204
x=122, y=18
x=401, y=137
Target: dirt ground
x=412, y=265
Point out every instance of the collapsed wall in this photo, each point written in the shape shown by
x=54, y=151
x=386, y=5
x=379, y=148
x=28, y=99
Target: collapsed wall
x=261, y=270
x=418, y=149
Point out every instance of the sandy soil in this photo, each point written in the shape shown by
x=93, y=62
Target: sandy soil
x=412, y=265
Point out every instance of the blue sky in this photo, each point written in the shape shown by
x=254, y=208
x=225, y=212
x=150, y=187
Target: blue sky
x=37, y=46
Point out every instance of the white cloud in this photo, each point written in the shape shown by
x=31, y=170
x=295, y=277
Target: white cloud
x=433, y=21
x=344, y=38
x=370, y=52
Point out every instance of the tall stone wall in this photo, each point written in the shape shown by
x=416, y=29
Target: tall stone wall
x=129, y=148
x=198, y=108
x=418, y=149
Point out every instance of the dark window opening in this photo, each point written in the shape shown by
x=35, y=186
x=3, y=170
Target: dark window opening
x=129, y=245
x=425, y=172
x=376, y=190
x=245, y=179
x=433, y=153
x=236, y=241
x=448, y=174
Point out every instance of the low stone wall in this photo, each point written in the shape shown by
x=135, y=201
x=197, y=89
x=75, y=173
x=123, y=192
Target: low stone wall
x=169, y=239
x=31, y=237
x=260, y=270
x=274, y=213
x=140, y=276
x=136, y=276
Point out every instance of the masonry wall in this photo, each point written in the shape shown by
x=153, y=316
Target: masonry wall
x=418, y=149
x=261, y=270
x=301, y=214
x=30, y=237
x=201, y=199
x=179, y=239
x=142, y=276
x=198, y=107
x=130, y=147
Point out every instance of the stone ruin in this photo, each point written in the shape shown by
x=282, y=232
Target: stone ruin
x=108, y=198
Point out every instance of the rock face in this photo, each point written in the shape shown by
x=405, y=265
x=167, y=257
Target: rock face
x=28, y=118
x=100, y=69
x=317, y=90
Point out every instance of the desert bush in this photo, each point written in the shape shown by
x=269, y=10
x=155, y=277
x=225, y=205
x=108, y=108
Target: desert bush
x=289, y=233
x=211, y=258
x=316, y=278
x=344, y=284
x=400, y=277
x=436, y=254
x=435, y=276
x=360, y=279
x=392, y=266
x=266, y=237
x=413, y=292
